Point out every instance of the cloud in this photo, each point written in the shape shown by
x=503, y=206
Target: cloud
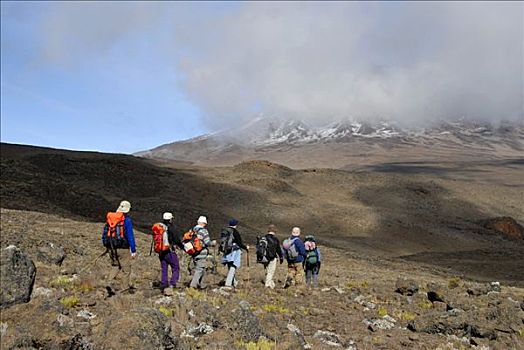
x=316, y=61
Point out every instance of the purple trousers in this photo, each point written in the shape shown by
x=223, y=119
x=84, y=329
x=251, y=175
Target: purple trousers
x=169, y=258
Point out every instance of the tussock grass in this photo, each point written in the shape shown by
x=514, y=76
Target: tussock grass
x=261, y=344
x=454, y=282
x=167, y=312
x=275, y=308
x=195, y=294
x=70, y=301
x=382, y=311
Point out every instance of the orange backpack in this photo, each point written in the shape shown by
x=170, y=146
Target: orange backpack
x=114, y=232
x=159, y=230
x=192, y=243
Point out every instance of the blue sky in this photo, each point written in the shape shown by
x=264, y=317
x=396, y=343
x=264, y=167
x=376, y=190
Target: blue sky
x=121, y=98
x=129, y=76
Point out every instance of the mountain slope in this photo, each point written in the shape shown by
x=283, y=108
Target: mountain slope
x=294, y=143
x=396, y=210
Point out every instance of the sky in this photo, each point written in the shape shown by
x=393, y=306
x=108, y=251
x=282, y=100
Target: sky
x=128, y=76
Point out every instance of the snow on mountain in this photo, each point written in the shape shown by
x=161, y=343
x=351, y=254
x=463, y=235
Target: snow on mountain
x=267, y=132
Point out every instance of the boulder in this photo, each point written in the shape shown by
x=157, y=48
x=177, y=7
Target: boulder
x=246, y=323
x=505, y=225
x=141, y=328
x=51, y=253
x=18, y=276
x=328, y=338
x=406, y=286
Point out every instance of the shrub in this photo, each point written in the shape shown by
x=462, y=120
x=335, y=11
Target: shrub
x=261, y=344
x=70, y=301
x=166, y=311
x=195, y=294
x=382, y=311
x=275, y=308
x=454, y=282
x=408, y=316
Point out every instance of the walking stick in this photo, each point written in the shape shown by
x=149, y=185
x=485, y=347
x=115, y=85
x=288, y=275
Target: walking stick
x=151, y=249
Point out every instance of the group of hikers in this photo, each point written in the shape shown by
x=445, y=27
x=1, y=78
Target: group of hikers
x=303, y=257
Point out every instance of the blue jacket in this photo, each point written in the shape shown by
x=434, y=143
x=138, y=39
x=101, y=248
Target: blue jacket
x=301, y=251
x=128, y=233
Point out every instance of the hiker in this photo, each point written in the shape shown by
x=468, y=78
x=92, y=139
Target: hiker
x=164, y=237
x=268, y=249
x=295, y=254
x=118, y=235
x=312, y=261
x=231, y=246
x=196, y=243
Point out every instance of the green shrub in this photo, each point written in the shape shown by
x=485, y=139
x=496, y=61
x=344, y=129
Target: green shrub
x=70, y=301
x=261, y=344
x=454, y=282
x=382, y=311
x=166, y=311
x=275, y=308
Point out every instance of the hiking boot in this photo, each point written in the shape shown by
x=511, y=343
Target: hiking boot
x=157, y=285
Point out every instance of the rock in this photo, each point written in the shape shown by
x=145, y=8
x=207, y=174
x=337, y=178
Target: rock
x=434, y=296
x=328, y=338
x=494, y=287
x=507, y=226
x=42, y=292
x=339, y=290
x=140, y=328
x=77, y=343
x=406, y=286
x=195, y=332
x=478, y=290
x=351, y=345
x=64, y=321
x=86, y=315
x=440, y=306
x=3, y=329
x=51, y=253
x=164, y=301
x=17, y=276
x=246, y=323
x=381, y=323
x=298, y=333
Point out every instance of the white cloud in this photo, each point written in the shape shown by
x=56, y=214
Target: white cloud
x=315, y=61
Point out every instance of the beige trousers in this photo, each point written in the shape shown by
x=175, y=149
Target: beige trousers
x=270, y=273
x=124, y=278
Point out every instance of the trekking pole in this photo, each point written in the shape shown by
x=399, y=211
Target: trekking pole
x=151, y=249
x=92, y=263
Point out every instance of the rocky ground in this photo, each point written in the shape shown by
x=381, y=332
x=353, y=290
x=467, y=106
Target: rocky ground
x=363, y=302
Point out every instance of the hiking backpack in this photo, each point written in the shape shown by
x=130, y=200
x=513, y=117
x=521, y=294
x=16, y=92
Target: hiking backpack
x=311, y=250
x=192, y=243
x=290, y=248
x=226, y=241
x=114, y=233
x=262, y=250
x=312, y=257
x=160, y=239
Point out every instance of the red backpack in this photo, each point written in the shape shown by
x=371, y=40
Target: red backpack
x=159, y=233
x=114, y=233
x=192, y=243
